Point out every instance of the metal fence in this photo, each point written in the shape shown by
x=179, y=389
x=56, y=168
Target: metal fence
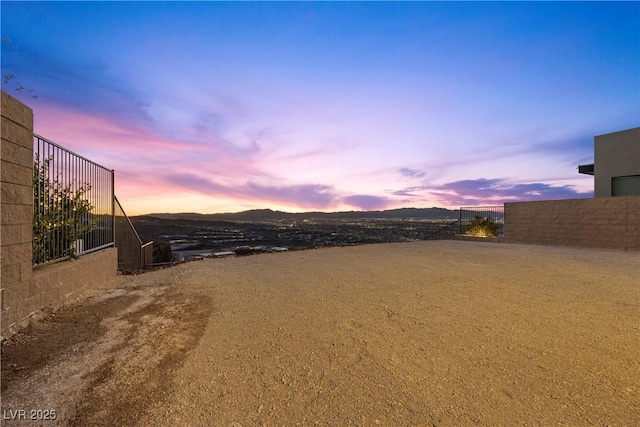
x=73, y=210
x=482, y=221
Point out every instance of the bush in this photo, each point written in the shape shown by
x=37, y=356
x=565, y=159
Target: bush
x=61, y=214
x=483, y=227
x=162, y=252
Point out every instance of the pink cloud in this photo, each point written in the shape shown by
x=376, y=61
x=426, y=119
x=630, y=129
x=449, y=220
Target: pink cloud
x=139, y=156
x=73, y=127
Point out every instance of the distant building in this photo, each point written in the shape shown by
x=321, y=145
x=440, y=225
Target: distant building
x=616, y=164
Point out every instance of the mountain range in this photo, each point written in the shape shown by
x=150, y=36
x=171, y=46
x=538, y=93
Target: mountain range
x=258, y=215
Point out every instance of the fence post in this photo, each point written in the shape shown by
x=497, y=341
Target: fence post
x=113, y=206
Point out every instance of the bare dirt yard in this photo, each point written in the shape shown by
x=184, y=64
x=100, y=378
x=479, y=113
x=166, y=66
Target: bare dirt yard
x=424, y=333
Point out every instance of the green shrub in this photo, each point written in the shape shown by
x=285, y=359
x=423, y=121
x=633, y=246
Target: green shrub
x=61, y=214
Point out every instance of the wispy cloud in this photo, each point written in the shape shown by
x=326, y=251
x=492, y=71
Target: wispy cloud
x=316, y=196
x=313, y=196
x=83, y=84
x=308, y=196
x=411, y=173
x=490, y=191
x=410, y=191
x=89, y=87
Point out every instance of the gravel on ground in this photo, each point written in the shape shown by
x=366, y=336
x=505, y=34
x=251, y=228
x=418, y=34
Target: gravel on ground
x=420, y=333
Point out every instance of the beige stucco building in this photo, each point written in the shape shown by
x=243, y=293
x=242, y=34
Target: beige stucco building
x=599, y=222
x=616, y=167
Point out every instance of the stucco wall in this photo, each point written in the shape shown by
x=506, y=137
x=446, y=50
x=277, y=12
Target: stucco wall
x=612, y=222
x=615, y=154
x=23, y=292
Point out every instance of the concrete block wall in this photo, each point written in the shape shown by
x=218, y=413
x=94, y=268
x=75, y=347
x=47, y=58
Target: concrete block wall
x=603, y=222
x=133, y=255
x=128, y=243
x=59, y=283
x=16, y=205
x=23, y=292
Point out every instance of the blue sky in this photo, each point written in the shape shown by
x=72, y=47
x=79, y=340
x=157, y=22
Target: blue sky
x=226, y=106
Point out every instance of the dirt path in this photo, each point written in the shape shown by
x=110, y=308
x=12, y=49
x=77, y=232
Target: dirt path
x=424, y=333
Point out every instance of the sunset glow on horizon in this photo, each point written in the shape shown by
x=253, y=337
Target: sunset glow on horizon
x=303, y=106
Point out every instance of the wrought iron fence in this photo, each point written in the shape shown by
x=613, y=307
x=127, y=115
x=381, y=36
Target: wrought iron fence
x=73, y=210
x=482, y=221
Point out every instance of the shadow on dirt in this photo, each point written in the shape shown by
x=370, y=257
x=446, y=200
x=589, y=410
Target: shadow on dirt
x=118, y=351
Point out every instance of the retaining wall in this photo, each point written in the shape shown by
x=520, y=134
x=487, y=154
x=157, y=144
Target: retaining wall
x=601, y=222
x=133, y=255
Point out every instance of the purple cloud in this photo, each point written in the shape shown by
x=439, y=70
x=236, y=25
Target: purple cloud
x=367, y=202
x=303, y=195
x=491, y=191
x=309, y=196
x=312, y=196
x=199, y=184
x=410, y=191
x=411, y=173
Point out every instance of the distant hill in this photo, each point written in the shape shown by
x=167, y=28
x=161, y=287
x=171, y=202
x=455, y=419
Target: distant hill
x=257, y=215
x=179, y=219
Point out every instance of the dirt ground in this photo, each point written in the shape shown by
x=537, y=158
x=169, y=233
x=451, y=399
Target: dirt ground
x=424, y=333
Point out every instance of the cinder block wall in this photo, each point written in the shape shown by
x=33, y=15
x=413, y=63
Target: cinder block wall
x=128, y=243
x=16, y=207
x=23, y=292
x=603, y=222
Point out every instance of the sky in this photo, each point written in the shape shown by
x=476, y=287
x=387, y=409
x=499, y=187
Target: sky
x=328, y=106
